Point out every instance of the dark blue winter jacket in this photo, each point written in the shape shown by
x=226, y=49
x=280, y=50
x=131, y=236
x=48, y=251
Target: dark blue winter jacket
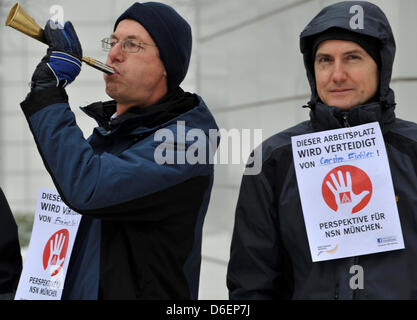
x=140, y=235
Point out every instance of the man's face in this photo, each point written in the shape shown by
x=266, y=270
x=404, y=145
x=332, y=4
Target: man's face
x=140, y=77
x=346, y=75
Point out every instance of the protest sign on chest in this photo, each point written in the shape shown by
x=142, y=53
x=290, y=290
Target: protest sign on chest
x=346, y=192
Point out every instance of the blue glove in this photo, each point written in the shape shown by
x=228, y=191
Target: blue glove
x=62, y=63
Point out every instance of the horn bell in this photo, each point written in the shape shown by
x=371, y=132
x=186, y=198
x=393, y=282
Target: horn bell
x=21, y=21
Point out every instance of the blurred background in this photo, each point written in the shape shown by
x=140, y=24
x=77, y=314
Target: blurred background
x=246, y=65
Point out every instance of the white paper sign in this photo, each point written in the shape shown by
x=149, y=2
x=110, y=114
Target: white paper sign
x=346, y=191
x=54, y=229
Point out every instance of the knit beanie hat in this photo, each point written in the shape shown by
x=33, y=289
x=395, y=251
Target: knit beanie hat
x=171, y=33
x=369, y=44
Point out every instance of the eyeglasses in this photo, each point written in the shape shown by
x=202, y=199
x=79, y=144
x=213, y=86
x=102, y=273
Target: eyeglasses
x=128, y=45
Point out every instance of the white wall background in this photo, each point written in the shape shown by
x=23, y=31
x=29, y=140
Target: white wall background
x=246, y=65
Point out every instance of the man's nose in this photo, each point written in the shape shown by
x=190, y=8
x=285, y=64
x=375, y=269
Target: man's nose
x=339, y=74
x=116, y=53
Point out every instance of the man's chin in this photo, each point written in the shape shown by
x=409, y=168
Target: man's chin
x=111, y=93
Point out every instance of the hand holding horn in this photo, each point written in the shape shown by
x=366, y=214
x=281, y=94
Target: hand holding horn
x=21, y=21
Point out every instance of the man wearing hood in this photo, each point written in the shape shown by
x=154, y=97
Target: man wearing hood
x=349, y=70
x=142, y=217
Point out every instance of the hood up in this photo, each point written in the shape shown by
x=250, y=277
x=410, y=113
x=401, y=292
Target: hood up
x=375, y=25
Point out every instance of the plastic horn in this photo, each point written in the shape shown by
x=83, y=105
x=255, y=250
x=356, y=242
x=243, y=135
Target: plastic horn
x=21, y=21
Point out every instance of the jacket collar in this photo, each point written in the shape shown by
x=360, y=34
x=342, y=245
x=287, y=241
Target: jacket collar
x=170, y=106
x=326, y=117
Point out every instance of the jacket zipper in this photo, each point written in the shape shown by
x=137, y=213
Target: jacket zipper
x=345, y=120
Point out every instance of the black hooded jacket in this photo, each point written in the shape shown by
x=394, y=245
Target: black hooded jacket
x=10, y=257
x=270, y=256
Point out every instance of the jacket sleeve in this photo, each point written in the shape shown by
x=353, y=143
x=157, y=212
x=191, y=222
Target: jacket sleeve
x=256, y=257
x=91, y=183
